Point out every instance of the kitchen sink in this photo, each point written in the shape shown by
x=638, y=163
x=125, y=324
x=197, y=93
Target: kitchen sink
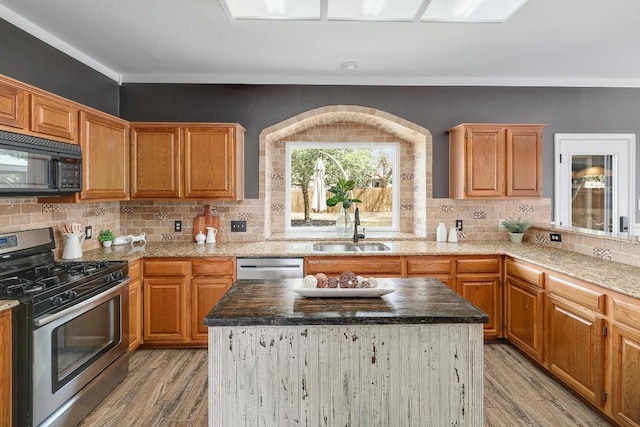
x=350, y=247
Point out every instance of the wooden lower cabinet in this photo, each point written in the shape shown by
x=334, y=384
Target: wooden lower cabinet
x=6, y=358
x=524, y=308
x=478, y=280
x=135, y=304
x=370, y=266
x=576, y=337
x=437, y=267
x=211, y=279
x=165, y=310
x=625, y=336
x=177, y=297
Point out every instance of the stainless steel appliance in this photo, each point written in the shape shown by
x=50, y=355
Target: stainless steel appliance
x=269, y=268
x=31, y=166
x=70, y=329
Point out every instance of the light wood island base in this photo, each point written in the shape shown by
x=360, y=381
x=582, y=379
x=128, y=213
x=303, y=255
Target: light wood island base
x=358, y=375
x=413, y=357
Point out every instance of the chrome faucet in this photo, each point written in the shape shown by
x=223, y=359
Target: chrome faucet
x=356, y=223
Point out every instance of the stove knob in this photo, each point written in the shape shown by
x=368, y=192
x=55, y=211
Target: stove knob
x=108, y=278
x=56, y=301
x=71, y=295
x=117, y=274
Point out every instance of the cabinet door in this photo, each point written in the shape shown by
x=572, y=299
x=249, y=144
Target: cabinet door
x=524, y=162
x=484, y=150
x=165, y=310
x=6, y=352
x=105, y=155
x=209, y=162
x=155, y=163
x=135, y=314
x=625, y=395
x=575, y=344
x=205, y=294
x=484, y=292
x=524, y=316
x=13, y=103
x=625, y=399
x=53, y=117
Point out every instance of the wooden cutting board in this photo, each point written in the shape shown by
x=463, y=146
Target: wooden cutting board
x=200, y=223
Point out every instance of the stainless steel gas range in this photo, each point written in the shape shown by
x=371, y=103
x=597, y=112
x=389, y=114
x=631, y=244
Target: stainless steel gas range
x=70, y=330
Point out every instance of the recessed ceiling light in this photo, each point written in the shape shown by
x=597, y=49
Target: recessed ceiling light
x=349, y=66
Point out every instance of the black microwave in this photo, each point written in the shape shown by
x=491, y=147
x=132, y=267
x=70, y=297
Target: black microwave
x=32, y=166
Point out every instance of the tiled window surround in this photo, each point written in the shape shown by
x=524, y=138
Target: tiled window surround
x=156, y=218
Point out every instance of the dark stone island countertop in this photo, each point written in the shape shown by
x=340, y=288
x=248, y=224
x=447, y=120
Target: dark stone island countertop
x=274, y=303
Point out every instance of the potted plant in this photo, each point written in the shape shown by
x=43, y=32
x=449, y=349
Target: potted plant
x=106, y=237
x=516, y=228
x=341, y=197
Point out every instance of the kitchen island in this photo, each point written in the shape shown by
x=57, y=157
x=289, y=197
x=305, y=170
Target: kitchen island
x=411, y=357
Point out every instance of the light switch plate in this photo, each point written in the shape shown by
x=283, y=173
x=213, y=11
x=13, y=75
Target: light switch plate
x=555, y=237
x=88, y=232
x=177, y=227
x=238, y=226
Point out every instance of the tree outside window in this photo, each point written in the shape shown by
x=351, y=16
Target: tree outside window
x=313, y=167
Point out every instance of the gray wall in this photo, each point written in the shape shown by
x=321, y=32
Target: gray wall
x=564, y=110
x=255, y=107
x=28, y=59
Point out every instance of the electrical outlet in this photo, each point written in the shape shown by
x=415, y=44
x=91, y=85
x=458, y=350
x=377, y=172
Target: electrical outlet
x=555, y=237
x=238, y=226
x=501, y=225
x=459, y=224
x=177, y=226
x=88, y=232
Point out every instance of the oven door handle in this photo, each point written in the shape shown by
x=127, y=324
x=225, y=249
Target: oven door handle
x=86, y=303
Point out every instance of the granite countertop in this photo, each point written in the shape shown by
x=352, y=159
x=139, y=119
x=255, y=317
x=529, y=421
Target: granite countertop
x=611, y=275
x=274, y=303
x=8, y=304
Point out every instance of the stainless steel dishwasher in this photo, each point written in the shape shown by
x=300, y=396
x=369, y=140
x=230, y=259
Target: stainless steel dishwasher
x=269, y=268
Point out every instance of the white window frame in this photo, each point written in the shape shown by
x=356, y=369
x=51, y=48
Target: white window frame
x=395, y=212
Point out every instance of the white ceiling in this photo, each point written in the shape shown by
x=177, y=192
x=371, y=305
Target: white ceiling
x=545, y=43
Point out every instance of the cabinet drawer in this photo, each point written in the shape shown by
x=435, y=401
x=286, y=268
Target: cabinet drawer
x=165, y=268
x=213, y=267
x=428, y=266
x=378, y=266
x=626, y=313
x=135, y=270
x=574, y=292
x=478, y=265
x=524, y=272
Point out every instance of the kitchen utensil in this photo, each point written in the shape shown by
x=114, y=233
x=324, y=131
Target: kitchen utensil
x=200, y=223
x=73, y=245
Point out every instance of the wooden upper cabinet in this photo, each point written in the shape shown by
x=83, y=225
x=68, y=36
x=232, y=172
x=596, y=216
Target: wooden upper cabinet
x=53, y=117
x=156, y=170
x=524, y=162
x=210, y=163
x=187, y=160
x=13, y=106
x=105, y=154
x=495, y=161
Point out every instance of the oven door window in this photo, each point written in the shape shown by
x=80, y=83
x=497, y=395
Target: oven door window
x=24, y=170
x=79, y=342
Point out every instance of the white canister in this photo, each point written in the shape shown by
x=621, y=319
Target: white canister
x=453, y=235
x=200, y=238
x=441, y=233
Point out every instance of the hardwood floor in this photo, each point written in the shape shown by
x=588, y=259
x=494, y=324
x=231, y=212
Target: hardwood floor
x=169, y=388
